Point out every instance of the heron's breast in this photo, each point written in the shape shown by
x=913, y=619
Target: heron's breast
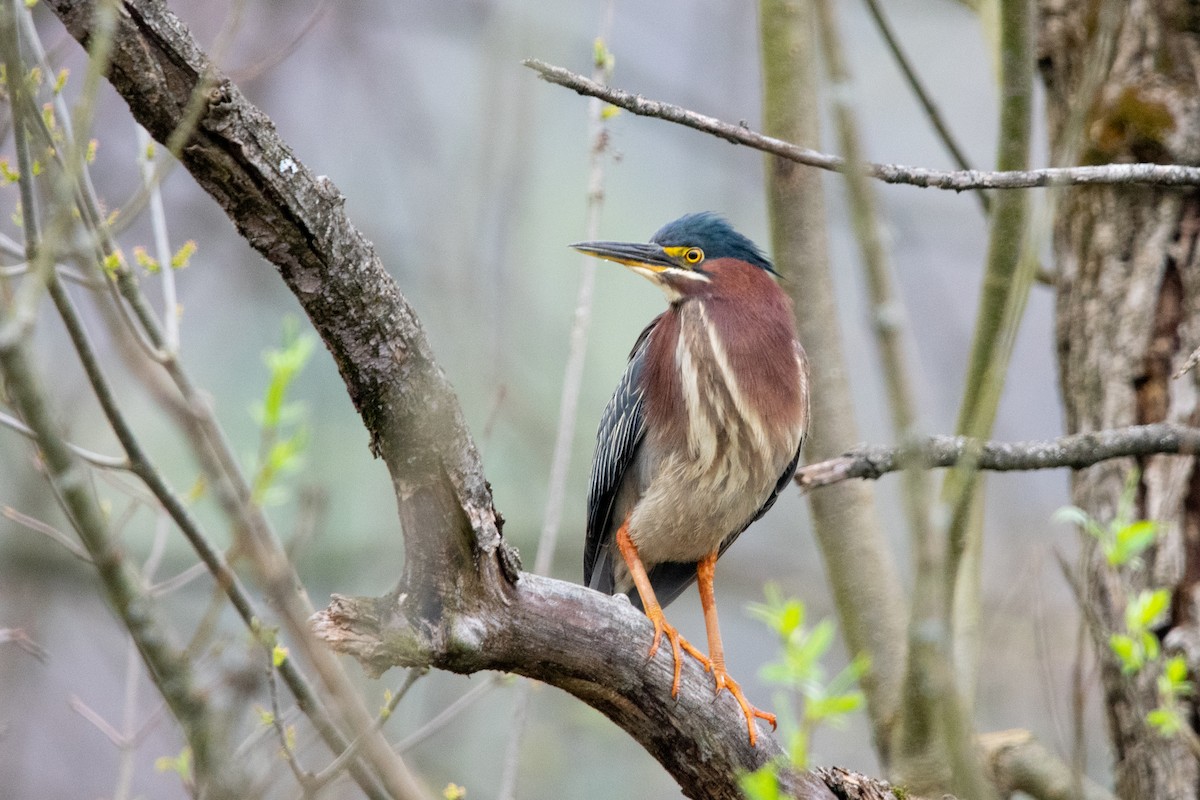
x=714, y=467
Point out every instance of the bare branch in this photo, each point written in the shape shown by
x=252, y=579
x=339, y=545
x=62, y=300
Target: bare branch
x=1019, y=763
x=953, y=180
x=1076, y=451
x=93, y=458
x=47, y=530
x=23, y=640
x=448, y=713
x=588, y=644
x=923, y=97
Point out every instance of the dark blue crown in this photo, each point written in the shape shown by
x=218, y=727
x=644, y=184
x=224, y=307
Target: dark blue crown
x=713, y=234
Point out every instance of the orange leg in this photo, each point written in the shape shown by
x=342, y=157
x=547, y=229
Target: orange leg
x=716, y=651
x=653, y=610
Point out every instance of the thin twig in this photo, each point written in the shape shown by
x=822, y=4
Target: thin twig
x=267, y=551
x=918, y=88
x=23, y=640
x=281, y=54
x=176, y=582
x=93, y=458
x=47, y=530
x=127, y=746
x=10, y=247
x=953, y=180
x=162, y=244
x=98, y=722
x=1076, y=451
x=226, y=579
x=66, y=273
x=1078, y=708
x=66, y=475
x=301, y=775
x=336, y=766
x=448, y=714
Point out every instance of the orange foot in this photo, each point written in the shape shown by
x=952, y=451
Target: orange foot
x=724, y=681
x=678, y=645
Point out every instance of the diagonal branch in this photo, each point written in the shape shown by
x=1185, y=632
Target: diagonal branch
x=953, y=180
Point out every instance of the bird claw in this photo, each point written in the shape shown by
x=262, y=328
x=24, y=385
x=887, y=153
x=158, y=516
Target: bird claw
x=724, y=681
x=721, y=678
x=679, y=645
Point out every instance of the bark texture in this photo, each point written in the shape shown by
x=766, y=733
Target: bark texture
x=1127, y=317
x=462, y=603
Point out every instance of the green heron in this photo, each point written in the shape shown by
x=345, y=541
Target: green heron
x=703, y=431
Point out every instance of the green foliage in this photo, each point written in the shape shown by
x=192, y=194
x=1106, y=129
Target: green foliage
x=183, y=255
x=1137, y=647
x=762, y=784
x=283, y=434
x=7, y=174
x=820, y=700
x=181, y=765
x=145, y=260
x=1124, y=539
x=1171, y=718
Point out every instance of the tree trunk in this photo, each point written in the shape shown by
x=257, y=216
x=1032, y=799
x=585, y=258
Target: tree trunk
x=1127, y=318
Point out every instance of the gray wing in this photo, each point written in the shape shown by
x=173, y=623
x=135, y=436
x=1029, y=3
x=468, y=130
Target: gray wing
x=622, y=428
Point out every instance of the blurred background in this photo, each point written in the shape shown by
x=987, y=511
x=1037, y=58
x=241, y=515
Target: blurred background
x=469, y=175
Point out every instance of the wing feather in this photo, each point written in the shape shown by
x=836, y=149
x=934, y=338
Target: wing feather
x=622, y=428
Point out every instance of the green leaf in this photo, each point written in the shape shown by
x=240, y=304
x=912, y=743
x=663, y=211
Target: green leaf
x=1126, y=651
x=762, y=784
x=183, y=255
x=181, y=764
x=1150, y=646
x=1165, y=720
x=828, y=708
x=817, y=643
x=1134, y=538
x=791, y=618
x=1145, y=608
x=1176, y=669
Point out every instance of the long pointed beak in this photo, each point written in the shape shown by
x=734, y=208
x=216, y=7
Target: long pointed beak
x=631, y=254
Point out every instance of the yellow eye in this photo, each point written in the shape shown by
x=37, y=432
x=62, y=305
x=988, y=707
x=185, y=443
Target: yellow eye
x=694, y=255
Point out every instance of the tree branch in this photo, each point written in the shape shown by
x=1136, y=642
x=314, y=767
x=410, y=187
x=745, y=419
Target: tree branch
x=1076, y=451
x=459, y=604
x=590, y=645
x=954, y=180
x=1020, y=763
